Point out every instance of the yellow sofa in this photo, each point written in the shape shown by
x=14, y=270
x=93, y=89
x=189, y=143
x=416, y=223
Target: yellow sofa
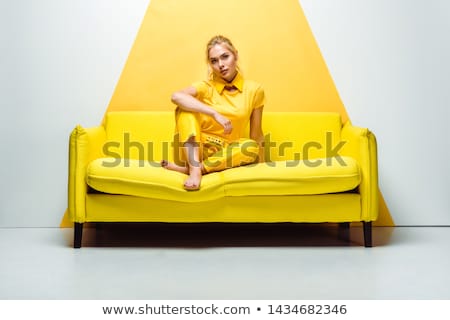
x=317, y=170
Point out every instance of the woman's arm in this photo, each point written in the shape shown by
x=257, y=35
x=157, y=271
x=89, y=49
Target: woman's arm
x=187, y=101
x=256, y=132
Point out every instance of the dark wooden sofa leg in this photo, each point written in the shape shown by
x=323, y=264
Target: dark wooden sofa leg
x=344, y=231
x=367, y=226
x=77, y=235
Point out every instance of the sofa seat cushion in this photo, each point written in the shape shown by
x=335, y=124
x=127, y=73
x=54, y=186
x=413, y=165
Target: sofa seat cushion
x=318, y=176
x=147, y=179
x=144, y=179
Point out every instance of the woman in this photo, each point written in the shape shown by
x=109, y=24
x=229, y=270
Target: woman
x=212, y=116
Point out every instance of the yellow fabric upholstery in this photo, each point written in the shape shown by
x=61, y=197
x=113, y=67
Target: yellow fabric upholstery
x=300, y=135
x=361, y=144
x=85, y=145
x=139, y=135
x=268, y=209
x=319, y=171
x=282, y=178
x=143, y=179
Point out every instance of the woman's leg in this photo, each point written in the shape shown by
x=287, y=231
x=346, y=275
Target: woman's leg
x=239, y=153
x=195, y=166
x=174, y=167
x=188, y=155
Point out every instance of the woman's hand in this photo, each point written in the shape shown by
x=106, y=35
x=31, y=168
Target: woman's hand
x=224, y=122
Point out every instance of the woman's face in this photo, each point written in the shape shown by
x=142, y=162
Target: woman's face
x=223, y=62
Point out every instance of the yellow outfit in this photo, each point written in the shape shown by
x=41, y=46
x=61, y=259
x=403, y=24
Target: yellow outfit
x=218, y=150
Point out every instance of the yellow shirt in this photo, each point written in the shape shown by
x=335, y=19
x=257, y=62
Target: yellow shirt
x=236, y=105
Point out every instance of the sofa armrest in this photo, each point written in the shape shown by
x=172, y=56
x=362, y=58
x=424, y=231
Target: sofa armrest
x=86, y=144
x=361, y=144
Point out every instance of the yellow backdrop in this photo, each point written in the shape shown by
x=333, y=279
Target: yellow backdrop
x=276, y=48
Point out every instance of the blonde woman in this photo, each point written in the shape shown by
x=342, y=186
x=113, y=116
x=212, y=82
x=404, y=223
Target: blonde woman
x=212, y=115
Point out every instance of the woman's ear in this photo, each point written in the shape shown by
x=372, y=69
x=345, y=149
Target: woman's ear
x=236, y=56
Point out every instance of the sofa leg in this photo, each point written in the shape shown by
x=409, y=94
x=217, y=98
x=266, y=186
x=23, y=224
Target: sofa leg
x=367, y=226
x=344, y=231
x=77, y=235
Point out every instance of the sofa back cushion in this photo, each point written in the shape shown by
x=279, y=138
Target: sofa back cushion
x=301, y=135
x=149, y=136
x=139, y=135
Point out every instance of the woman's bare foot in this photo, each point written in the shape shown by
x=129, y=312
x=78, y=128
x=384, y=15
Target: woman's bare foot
x=174, y=167
x=193, y=182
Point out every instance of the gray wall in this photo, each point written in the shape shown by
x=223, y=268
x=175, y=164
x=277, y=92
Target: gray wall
x=390, y=62
x=61, y=59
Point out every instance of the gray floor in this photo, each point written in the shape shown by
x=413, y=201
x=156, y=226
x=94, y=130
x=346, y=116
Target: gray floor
x=126, y=261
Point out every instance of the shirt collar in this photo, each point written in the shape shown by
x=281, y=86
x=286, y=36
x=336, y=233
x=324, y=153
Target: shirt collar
x=220, y=84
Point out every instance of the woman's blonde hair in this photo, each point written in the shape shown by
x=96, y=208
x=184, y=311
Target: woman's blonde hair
x=220, y=39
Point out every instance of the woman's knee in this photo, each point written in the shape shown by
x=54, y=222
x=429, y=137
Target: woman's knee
x=249, y=150
x=188, y=128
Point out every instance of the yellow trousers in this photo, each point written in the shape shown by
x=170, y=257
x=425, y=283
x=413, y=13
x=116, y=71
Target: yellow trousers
x=215, y=152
